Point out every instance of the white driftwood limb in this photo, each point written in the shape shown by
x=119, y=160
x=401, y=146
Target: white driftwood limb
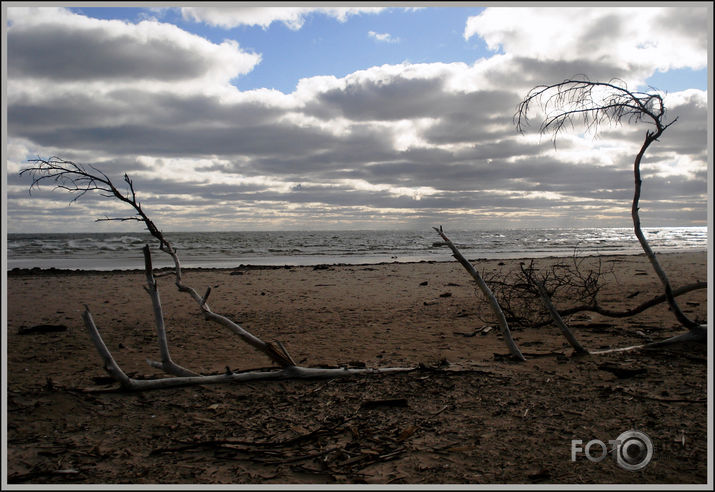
x=167, y=364
x=496, y=308
x=280, y=357
x=293, y=372
x=109, y=364
x=558, y=320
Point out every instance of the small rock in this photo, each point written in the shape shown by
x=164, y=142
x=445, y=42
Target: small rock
x=41, y=329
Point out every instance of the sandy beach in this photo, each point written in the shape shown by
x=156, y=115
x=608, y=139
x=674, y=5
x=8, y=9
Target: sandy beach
x=469, y=415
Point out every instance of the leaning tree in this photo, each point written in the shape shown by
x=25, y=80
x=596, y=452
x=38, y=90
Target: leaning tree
x=79, y=180
x=594, y=104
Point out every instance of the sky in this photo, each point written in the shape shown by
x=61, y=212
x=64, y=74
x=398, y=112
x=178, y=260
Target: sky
x=236, y=117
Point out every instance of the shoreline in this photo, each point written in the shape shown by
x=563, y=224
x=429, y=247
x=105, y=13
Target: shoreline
x=20, y=271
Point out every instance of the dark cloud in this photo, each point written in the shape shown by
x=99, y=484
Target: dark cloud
x=153, y=109
x=61, y=53
x=523, y=73
x=167, y=109
x=183, y=141
x=688, y=135
x=689, y=23
x=26, y=115
x=598, y=32
x=396, y=99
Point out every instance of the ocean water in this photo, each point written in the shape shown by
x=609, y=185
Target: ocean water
x=123, y=251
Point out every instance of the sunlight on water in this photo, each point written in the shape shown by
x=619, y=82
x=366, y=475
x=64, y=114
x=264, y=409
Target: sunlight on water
x=106, y=251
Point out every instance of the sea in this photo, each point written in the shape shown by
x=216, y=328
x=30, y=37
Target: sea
x=123, y=251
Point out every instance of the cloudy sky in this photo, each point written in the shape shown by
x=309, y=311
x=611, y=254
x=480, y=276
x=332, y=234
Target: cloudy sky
x=353, y=117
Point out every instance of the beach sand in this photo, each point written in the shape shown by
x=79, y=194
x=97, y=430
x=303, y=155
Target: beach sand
x=469, y=415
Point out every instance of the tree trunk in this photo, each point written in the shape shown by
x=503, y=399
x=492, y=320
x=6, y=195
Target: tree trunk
x=680, y=316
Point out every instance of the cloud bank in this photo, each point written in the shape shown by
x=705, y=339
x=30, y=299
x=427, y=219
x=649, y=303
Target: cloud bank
x=407, y=145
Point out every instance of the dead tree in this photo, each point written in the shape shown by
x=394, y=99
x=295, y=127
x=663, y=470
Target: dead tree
x=597, y=103
x=79, y=180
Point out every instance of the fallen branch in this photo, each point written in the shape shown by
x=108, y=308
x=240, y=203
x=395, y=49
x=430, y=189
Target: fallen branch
x=558, y=320
x=292, y=372
x=690, y=336
x=513, y=348
x=638, y=309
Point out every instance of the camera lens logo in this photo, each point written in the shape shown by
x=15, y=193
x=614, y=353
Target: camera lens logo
x=634, y=450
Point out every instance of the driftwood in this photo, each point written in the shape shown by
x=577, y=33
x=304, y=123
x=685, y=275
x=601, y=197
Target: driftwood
x=520, y=299
x=79, y=179
x=185, y=377
x=595, y=308
x=496, y=308
x=293, y=372
x=558, y=320
x=41, y=329
x=167, y=364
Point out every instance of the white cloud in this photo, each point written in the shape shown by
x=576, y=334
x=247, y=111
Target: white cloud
x=383, y=37
x=660, y=38
x=293, y=17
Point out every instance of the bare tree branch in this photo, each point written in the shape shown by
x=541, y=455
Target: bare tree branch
x=591, y=103
x=75, y=178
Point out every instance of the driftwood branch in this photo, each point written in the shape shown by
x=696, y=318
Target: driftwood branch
x=292, y=372
x=186, y=377
x=659, y=299
x=80, y=179
x=558, y=320
x=496, y=308
x=690, y=336
x=167, y=364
